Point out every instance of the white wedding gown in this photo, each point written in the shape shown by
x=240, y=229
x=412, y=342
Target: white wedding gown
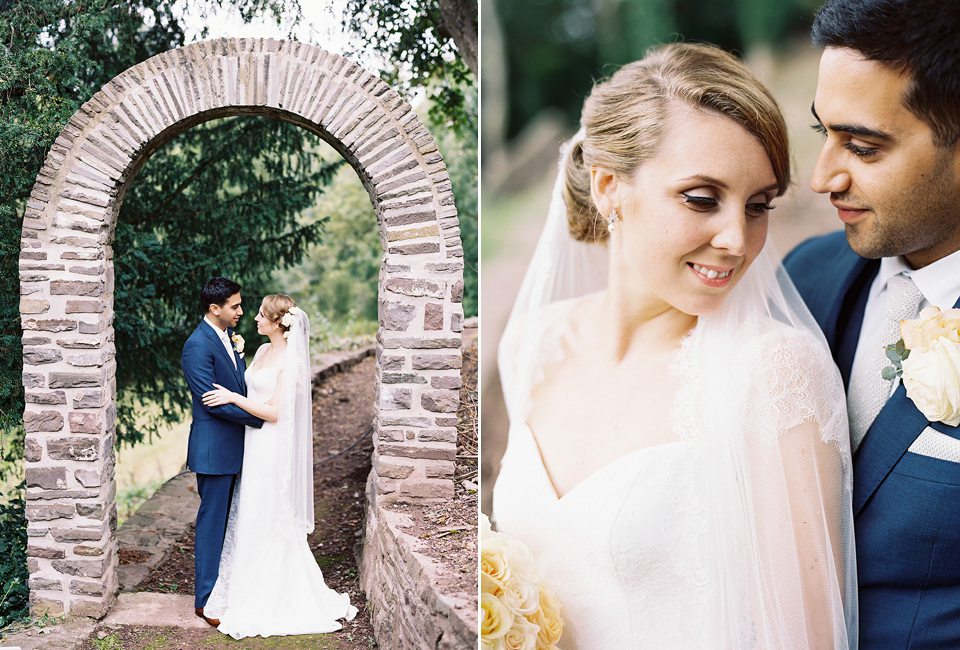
x=699, y=542
x=269, y=582
x=622, y=550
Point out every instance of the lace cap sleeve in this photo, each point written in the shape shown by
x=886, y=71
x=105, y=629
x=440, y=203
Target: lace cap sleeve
x=793, y=380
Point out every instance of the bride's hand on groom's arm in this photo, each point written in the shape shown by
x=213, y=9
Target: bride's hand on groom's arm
x=219, y=396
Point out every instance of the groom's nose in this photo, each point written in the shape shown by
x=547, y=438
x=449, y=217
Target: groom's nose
x=828, y=174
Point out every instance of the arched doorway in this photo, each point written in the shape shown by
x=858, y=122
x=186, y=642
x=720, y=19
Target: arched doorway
x=67, y=286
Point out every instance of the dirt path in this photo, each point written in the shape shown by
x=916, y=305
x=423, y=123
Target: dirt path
x=343, y=412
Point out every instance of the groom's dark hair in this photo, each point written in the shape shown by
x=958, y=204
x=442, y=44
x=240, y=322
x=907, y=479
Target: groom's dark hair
x=920, y=37
x=216, y=292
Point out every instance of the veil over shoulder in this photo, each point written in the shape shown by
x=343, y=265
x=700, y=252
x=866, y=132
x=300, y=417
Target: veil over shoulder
x=295, y=423
x=765, y=479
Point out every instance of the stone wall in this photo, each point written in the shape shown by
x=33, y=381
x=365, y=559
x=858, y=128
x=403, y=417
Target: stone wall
x=66, y=276
x=406, y=608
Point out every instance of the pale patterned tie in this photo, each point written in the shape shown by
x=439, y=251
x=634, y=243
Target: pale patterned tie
x=868, y=389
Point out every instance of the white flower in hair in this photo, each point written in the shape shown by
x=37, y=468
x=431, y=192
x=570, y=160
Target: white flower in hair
x=288, y=319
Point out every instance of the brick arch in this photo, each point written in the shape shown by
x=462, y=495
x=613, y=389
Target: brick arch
x=67, y=284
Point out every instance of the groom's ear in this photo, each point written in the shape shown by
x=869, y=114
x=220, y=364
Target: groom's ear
x=603, y=190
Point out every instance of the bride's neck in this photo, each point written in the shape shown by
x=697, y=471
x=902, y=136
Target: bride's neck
x=649, y=323
x=276, y=340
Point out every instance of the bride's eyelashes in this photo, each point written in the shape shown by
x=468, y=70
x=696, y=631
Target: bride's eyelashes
x=759, y=209
x=705, y=203
x=699, y=203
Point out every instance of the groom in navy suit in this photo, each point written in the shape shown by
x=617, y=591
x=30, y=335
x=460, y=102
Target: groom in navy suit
x=888, y=104
x=213, y=354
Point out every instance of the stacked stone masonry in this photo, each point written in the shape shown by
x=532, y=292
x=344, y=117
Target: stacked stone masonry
x=67, y=284
x=407, y=608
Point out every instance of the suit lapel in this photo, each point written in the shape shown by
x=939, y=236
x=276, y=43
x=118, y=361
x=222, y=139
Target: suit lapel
x=218, y=344
x=897, y=425
x=241, y=364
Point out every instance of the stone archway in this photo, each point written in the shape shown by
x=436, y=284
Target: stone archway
x=67, y=284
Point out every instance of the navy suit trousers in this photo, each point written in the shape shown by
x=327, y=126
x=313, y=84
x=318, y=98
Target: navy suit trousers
x=215, y=493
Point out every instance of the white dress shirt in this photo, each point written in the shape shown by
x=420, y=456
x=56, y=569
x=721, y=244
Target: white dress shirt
x=939, y=283
x=226, y=340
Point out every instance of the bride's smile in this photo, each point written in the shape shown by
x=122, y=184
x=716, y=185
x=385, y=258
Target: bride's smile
x=694, y=216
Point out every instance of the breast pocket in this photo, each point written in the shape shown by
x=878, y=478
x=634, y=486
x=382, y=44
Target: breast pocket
x=927, y=513
x=933, y=456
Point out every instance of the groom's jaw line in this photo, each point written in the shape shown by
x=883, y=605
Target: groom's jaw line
x=712, y=276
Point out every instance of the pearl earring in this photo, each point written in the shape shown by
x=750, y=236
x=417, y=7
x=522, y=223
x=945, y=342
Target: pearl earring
x=612, y=221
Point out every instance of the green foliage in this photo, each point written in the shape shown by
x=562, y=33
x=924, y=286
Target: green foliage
x=337, y=282
x=897, y=353
x=53, y=56
x=130, y=499
x=459, y=149
x=555, y=49
x=421, y=53
x=196, y=210
x=14, y=577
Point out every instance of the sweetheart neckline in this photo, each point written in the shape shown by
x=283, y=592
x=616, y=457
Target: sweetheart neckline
x=591, y=477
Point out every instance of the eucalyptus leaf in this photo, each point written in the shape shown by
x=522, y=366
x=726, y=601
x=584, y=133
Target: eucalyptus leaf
x=889, y=373
x=900, y=347
x=893, y=355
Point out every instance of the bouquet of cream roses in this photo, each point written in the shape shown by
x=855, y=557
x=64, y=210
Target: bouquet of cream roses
x=518, y=612
x=928, y=358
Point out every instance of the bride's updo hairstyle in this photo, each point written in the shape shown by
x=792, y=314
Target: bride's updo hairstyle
x=623, y=120
x=276, y=305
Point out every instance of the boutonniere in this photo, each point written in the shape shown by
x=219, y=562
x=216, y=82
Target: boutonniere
x=927, y=358
x=237, y=344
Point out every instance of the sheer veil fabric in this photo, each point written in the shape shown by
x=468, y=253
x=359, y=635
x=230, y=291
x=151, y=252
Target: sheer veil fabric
x=762, y=478
x=295, y=422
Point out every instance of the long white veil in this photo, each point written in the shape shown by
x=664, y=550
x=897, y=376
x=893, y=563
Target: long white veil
x=295, y=424
x=764, y=403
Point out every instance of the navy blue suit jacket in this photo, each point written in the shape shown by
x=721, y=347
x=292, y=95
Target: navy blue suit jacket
x=906, y=506
x=216, y=433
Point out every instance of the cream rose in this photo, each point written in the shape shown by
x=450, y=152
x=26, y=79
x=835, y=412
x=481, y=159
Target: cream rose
x=522, y=636
x=548, y=620
x=495, y=619
x=520, y=596
x=493, y=563
x=931, y=375
x=920, y=333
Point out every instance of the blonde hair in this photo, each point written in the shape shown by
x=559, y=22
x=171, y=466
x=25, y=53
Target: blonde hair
x=623, y=119
x=275, y=306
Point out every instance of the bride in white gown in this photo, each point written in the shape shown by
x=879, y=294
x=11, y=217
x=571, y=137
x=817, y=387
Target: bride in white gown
x=678, y=460
x=269, y=582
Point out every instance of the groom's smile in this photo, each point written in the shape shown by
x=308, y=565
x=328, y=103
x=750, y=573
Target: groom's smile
x=895, y=189
x=229, y=314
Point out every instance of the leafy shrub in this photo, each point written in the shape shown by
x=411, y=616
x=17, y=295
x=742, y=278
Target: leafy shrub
x=14, y=577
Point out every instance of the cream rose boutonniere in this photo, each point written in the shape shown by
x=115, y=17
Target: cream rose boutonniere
x=518, y=611
x=928, y=360
x=237, y=344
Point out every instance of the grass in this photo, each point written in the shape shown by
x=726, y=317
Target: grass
x=110, y=642
x=131, y=498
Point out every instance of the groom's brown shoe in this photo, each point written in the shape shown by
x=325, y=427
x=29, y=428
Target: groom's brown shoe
x=212, y=621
